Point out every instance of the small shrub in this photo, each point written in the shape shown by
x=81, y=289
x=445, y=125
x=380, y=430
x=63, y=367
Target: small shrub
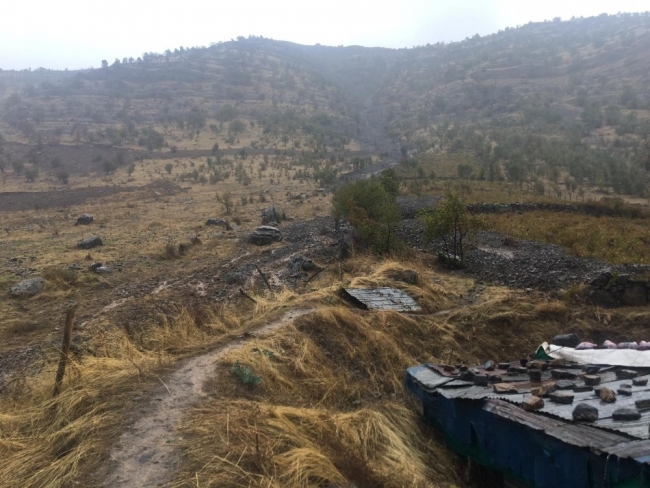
x=244, y=374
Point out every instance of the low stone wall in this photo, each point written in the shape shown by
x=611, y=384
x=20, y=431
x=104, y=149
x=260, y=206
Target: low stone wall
x=609, y=290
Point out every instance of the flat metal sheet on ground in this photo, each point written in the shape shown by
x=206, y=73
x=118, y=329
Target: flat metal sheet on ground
x=383, y=299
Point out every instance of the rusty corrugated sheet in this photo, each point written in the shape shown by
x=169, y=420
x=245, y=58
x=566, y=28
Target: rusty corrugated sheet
x=383, y=299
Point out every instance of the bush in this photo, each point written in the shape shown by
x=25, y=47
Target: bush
x=371, y=210
x=244, y=374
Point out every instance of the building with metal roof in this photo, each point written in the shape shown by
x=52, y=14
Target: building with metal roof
x=519, y=419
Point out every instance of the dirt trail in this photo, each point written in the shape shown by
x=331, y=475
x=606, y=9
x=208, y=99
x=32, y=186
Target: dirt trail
x=146, y=455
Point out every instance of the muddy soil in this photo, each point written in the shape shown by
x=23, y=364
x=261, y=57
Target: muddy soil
x=146, y=454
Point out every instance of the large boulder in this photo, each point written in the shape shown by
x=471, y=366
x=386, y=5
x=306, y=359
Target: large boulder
x=299, y=264
x=90, y=242
x=27, y=288
x=634, y=296
x=265, y=235
x=269, y=216
x=566, y=340
x=84, y=219
x=602, y=298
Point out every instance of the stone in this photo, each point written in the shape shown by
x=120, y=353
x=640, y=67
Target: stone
x=504, y=366
x=488, y=366
x=93, y=267
x=265, y=235
x=642, y=404
x=103, y=270
x=634, y=296
x=467, y=376
x=592, y=370
x=591, y=379
x=405, y=276
x=507, y=388
x=481, y=380
x=606, y=395
x=640, y=381
x=602, y=279
x=90, y=242
x=565, y=385
x=27, y=288
x=517, y=370
x=562, y=397
x=582, y=388
x=585, y=413
x=299, y=264
x=495, y=378
x=626, y=374
x=84, y=219
x=536, y=365
x=532, y=404
x=562, y=374
x=626, y=414
x=543, y=390
x=602, y=298
x=218, y=223
x=269, y=216
x=625, y=390
x=535, y=375
x=566, y=340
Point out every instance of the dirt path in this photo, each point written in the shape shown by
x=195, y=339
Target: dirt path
x=146, y=455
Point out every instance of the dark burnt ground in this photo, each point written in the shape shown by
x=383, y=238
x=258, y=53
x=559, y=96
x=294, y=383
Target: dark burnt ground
x=24, y=200
x=496, y=259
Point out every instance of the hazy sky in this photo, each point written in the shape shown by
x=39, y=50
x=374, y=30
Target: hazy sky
x=79, y=34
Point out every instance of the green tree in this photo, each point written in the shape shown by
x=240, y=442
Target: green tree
x=169, y=167
x=130, y=169
x=31, y=174
x=371, y=210
x=18, y=167
x=63, y=177
x=465, y=171
x=215, y=148
x=226, y=200
x=453, y=225
x=388, y=179
x=236, y=126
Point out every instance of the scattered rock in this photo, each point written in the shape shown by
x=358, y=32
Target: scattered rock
x=585, y=413
x=634, y=296
x=506, y=388
x=532, y=404
x=642, y=404
x=591, y=379
x=488, y=365
x=218, y=223
x=543, y=390
x=299, y=263
x=90, y=242
x=103, y=270
x=606, y=395
x=626, y=414
x=265, y=235
x=535, y=374
x=481, y=380
x=93, y=267
x=562, y=374
x=562, y=397
x=602, y=298
x=566, y=340
x=640, y=381
x=27, y=288
x=565, y=385
x=626, y=374
x=269, y=216
x=625, y=390
x=582, y=388
x=84, y=219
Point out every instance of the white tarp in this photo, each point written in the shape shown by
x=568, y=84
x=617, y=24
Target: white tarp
x=613, y=357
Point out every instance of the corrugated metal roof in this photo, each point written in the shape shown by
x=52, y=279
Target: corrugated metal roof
x=383, y=299
x=434, y=379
